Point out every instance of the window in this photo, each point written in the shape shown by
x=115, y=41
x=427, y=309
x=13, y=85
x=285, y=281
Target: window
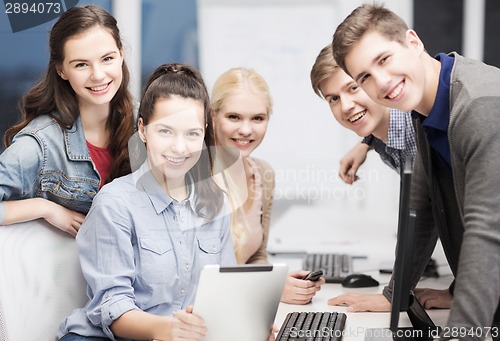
x=24, y=57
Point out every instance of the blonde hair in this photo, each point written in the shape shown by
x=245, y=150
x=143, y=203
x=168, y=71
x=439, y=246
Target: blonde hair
x=323, y=68
x=228, y=83
x=238, y=79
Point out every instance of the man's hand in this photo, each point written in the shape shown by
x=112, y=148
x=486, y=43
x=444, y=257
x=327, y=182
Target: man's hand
x=433, y=298
x=350, y=163
x=362, y=302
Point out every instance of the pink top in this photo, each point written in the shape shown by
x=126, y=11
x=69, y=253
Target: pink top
x=102, y=161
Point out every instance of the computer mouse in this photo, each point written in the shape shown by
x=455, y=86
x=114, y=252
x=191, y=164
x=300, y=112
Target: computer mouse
x=359, y=281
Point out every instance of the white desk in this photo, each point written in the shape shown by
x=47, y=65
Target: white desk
x=357, y=323
x=333, y=227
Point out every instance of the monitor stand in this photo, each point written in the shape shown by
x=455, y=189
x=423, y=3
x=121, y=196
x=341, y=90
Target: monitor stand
x=423, y=328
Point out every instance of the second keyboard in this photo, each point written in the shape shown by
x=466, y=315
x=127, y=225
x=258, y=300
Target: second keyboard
x=335, y=266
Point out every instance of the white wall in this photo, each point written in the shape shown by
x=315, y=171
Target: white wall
x=130, y=12
x=280, y=39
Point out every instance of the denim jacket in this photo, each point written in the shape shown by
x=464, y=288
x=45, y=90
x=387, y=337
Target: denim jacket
x=49, y=162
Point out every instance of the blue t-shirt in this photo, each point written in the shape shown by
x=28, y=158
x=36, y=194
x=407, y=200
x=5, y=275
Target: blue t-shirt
x=436, y=123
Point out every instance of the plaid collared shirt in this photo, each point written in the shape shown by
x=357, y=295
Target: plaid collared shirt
x=400, y=140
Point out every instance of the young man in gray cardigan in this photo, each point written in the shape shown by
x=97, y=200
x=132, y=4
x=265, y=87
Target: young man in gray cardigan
x=456, y=184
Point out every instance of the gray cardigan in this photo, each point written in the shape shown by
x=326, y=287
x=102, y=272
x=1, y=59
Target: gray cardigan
x=464, y=211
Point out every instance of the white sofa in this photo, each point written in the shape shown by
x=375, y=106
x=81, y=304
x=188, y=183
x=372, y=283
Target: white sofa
x=40, y=281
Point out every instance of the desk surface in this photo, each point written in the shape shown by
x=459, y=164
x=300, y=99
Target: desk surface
x=330, y=226
x=357, y=323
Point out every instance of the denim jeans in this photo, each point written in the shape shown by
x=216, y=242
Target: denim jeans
x=76, y=337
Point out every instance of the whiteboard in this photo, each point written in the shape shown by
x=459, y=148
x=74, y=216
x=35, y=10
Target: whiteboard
x=280, y=39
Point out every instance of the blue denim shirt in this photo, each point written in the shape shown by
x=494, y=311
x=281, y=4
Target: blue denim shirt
x=139, y=249
x=49, y=162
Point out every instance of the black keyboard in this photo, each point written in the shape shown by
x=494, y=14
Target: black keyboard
x=312, y=326
x=335, y=266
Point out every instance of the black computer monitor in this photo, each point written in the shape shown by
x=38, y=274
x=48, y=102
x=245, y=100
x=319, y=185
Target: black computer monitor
x=402, y=296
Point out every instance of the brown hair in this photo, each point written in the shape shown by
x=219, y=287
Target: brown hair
x=54, y=96
x=323, y=68
x=366, y=18
x=185, y=81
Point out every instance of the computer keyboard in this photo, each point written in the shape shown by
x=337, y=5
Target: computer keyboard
x=312, y=325
x=335, y=266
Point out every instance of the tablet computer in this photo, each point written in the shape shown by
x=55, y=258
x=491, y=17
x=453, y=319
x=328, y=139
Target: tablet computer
x=239, y=302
